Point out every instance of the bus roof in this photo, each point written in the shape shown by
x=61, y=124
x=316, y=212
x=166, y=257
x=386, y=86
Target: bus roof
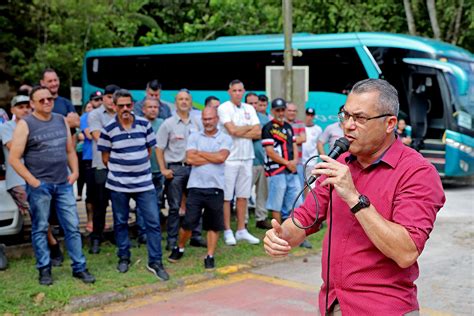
x=300, y=41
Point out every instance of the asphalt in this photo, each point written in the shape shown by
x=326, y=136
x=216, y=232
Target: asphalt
x=268, y=286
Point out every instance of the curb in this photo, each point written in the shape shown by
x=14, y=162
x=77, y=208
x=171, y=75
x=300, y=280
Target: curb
x=81, y=304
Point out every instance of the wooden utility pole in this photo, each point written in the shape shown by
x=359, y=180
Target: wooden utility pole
x=288, y=53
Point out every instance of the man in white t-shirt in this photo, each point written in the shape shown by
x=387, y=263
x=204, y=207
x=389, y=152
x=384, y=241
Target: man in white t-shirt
x=312, y=134
x=241, y=122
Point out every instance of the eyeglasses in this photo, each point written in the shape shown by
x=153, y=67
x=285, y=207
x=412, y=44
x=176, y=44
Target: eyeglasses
x=43, y=100
x=128, y=105
x=344, y=116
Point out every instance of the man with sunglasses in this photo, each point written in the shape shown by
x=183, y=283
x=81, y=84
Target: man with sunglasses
x=44, y=141
x=385, y=197
x=126, y=143
x=97, y=119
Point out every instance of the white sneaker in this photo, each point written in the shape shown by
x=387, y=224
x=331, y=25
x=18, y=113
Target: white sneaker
x=229, y=238
x=245, y=235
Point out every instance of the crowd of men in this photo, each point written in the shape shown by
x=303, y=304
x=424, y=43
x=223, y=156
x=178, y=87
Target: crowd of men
x=204, y=163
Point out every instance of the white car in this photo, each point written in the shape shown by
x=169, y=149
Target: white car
x=11, y=221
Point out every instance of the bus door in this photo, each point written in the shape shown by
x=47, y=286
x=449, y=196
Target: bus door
x=432, y=113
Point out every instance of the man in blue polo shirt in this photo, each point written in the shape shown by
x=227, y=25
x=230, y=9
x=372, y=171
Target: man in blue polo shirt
x=62, y=106
x=125, y=143
x=153, y=91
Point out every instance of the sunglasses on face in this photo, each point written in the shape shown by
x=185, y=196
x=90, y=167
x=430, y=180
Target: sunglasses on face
x=128, y=105
x=43, y=100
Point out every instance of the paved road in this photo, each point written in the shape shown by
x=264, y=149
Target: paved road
x=445, y=286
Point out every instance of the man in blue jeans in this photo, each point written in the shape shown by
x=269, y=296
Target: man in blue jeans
x=44, y=141
x=150, y=112
x=126, y=143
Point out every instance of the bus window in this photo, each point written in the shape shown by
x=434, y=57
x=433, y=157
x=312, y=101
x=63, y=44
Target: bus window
x=331, y=70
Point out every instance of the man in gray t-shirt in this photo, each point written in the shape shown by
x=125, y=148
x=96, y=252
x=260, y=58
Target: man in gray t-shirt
x=44, y=141
x=97, y=120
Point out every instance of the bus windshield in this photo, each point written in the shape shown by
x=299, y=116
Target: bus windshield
x=464, y=102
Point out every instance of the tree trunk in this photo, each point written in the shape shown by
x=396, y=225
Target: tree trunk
x=410, y=19
x=457, y=26
x=434, y=21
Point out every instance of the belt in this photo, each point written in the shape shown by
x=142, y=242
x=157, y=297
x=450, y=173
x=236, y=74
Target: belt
x=178, y=164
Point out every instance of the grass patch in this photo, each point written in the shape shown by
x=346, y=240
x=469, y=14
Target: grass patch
x=21, y=293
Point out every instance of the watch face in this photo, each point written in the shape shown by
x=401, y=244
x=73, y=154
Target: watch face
x=364, y=201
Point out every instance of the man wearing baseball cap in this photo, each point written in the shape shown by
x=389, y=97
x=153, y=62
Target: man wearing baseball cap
x=96, y=98
x=279, y=141
x=20, y=107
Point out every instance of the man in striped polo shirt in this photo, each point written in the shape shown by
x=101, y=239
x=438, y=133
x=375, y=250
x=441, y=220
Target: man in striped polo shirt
x=125, y=143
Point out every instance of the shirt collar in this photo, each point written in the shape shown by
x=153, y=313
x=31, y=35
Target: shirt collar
x=213, y=136
x=390, y=156
x=274, y=120
x=134, y=124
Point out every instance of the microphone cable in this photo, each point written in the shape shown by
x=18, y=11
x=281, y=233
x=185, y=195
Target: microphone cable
x=292, y=215
x=307, y=185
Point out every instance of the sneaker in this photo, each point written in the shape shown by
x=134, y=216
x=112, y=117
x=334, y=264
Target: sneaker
x=123, y=265
x=56, y=255
x=95, y=247
x=45, y=277
x=229, y=238
x=265, y=224
x=245, y=235
x=84, y=276
x=306, y=244
x=158, y=270
x=209, y=263
x=175, y=255
x=201, y=242
x=3, y=258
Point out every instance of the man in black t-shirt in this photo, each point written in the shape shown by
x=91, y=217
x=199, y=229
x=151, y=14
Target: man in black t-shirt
x=281, y=159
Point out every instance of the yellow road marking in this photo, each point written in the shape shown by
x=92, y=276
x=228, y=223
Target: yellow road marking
x=193, y=288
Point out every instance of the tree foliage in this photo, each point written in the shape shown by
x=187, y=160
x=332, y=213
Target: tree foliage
x=56, y=33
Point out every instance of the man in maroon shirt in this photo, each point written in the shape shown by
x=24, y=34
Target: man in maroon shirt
x=385, y=198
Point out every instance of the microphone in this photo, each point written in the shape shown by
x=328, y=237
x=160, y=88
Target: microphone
x=340, y=146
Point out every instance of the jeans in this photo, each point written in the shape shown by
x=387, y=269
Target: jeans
x=300, y=172
x=282, y=191
x=261, y=192
x=174, y=192
x=147, y=207
x=158, y=181
x=64, y=201
x=100, y=203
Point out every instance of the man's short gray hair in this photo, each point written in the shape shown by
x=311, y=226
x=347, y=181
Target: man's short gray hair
x=121, y=93
x=388, y=95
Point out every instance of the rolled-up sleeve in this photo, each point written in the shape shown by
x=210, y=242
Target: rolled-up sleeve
x=419, y=199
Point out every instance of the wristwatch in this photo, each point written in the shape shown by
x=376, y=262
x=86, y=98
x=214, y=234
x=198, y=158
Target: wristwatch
x=363, y=203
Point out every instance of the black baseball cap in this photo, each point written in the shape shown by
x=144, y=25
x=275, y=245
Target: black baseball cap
x=279, y=103
x=310, y=111
x=111, y=88
x=96, y=95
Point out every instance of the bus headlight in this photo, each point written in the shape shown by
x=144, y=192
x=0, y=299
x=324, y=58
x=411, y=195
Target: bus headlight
x=462, y=147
